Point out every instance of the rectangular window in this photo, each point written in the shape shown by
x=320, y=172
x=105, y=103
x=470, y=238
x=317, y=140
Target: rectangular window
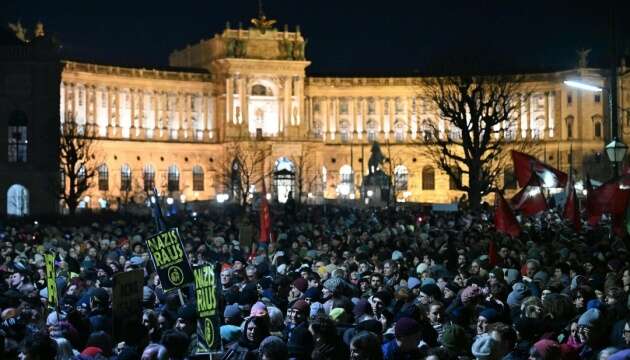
x=149, y=181
x=569, y=99
x=103, y=183
x=598, y=98
x=18, y=144
x=125, y=181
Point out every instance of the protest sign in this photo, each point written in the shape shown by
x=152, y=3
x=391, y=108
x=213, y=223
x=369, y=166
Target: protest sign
x=206, y=295
x=51, y=280
x=169, y=258
x=127, y=304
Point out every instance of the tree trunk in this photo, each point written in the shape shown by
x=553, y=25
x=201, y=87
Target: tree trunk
x=474, y=187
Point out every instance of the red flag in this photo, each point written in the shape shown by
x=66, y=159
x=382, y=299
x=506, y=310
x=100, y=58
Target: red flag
x=492, y=253
x=530, y=200
x=525, y=166
x=572, y=206
x=504, y=219
x=265, y=217
x=606, y=199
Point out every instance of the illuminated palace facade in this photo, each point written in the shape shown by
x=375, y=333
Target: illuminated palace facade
x=172, y=128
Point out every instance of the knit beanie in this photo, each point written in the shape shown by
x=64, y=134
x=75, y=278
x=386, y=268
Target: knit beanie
x=259, y=309
x=547, y=349
x=300, y=284
x=519, y=292
x=469, y=294
x=489, y=314
x=301, y=306
x=589, y=318
x=454, y=338
x=336, y=313
x=230, y=333
x=362, y=307
x=405, y=327
x=274, y=348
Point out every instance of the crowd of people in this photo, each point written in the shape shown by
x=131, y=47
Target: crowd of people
x=335, y=283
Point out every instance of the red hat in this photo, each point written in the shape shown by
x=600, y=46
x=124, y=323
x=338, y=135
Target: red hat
x=225, y=267
x=91, y=351
x=301, y=306
x=300, y=284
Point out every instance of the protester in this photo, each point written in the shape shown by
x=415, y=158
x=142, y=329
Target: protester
x=336, y=283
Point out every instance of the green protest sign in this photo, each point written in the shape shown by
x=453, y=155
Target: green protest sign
x=206, y=295
x=51, y=279
x=169, y=258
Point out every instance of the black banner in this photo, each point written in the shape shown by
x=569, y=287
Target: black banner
x=127, y=304
x=207, y=297
x=169, y=258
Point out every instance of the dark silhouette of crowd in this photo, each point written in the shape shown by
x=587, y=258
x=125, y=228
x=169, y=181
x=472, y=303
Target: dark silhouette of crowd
x=335, y=283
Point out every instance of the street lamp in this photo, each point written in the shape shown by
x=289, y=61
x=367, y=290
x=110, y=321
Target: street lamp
x=616, y=151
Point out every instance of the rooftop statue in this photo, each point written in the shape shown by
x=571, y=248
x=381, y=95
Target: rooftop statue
x=262, y=23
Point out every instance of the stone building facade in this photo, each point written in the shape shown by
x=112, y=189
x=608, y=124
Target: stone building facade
x=174, y=129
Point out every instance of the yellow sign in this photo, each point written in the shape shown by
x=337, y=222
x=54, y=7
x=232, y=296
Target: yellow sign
x=51, y=280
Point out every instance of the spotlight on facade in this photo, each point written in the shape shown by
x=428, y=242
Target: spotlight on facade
x=194, y=214
x=182, y=198
x=407, y=194
x=351, y=196
x=86, y=199
x=268, y=196
x=152, y=199
x=370, y=193
x=102, y=203
x=581, y=85
x=221, y=198
x=310, y=195
x=169, y=200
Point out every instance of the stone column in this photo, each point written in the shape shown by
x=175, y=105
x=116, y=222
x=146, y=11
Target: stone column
x=364, y=117
x=352, y=112
x=287, y=103
x=551, y=113
x=334, y=118
x=532, y=109
x=380, y=109
x=228, y=101
x=244, y=102
x=324, y=109
x=524, y=118
x=157, y=112
x=180, y=113
x=299, y=93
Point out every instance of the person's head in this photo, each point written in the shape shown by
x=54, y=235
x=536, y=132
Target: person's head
x=505, y=336
x=256, y=329
x=408, y=333
x=389, y=268
x=17, y=279
x=436, y=313
x=376, y=280
x=365, y=346
x=474, y=268
x=531, y=268
x=64, y=349
x=545, y=350
x=38, y=346
x=226, y=277
x=504, y=252
x=298, y=313
x=322, y=328
x=251, y=273
x=187, y=320
x=625, y=277
x=150, y=320
x=176, y=343
x=273, y=348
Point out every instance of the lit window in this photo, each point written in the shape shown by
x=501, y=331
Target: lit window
x=17, y=200
x=401, y=177
x=428, y=178
x=197, y=178
x=149, y=177
x=17, y=137
x=103, y=178
x=125, y=178
x=173, y=178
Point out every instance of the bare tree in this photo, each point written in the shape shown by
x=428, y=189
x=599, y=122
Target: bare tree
x=77, y=153
x=243, y=166
x=480, y=120
x=393, y=162
x=306, y=172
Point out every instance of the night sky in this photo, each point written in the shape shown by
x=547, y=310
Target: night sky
x=346, y=37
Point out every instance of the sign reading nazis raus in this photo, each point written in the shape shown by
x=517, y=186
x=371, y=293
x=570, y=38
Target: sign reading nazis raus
x=206, y=294
x=169, y=258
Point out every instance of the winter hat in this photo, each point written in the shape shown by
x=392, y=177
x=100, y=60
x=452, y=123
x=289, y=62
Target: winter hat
x=188, y=312
x=469, y=294
x=276, y=318
x=336, y=313
x=311, y=293
x=300, y=284
x=259, y=309
x=484, y=347
x=397, y=255
x=91, y=351
x=593, y=304
x=511, y=276
x=547, y=349
x=362, y=307
x=431, y=290
x=519, y=292
x=489, y=314
x=274, y=348
x=406, y=326
x=412, y=282
x=232, y=311
x=590, y=318
x=454, y=337
x=301, y=306
x=422, y=267
x=230, y=333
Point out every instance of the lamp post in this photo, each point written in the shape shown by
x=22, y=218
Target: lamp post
x=616, y=151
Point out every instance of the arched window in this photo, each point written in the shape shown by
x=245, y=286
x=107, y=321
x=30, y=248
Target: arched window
x=103, y=178
x=346, y=186
x=569, y=121
x=597, y=126
x=197, y=178
x=18, y=141
x=261, y=90
x=345, y=131
x=173, y=178
x=509, y=179
x=453, y=183
x=539, y=130
x=125, y=178
x=428, y=178
x=148, y=175
x=399, y=131
x=401, y=177
x=371, y=130
x=17, y=200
